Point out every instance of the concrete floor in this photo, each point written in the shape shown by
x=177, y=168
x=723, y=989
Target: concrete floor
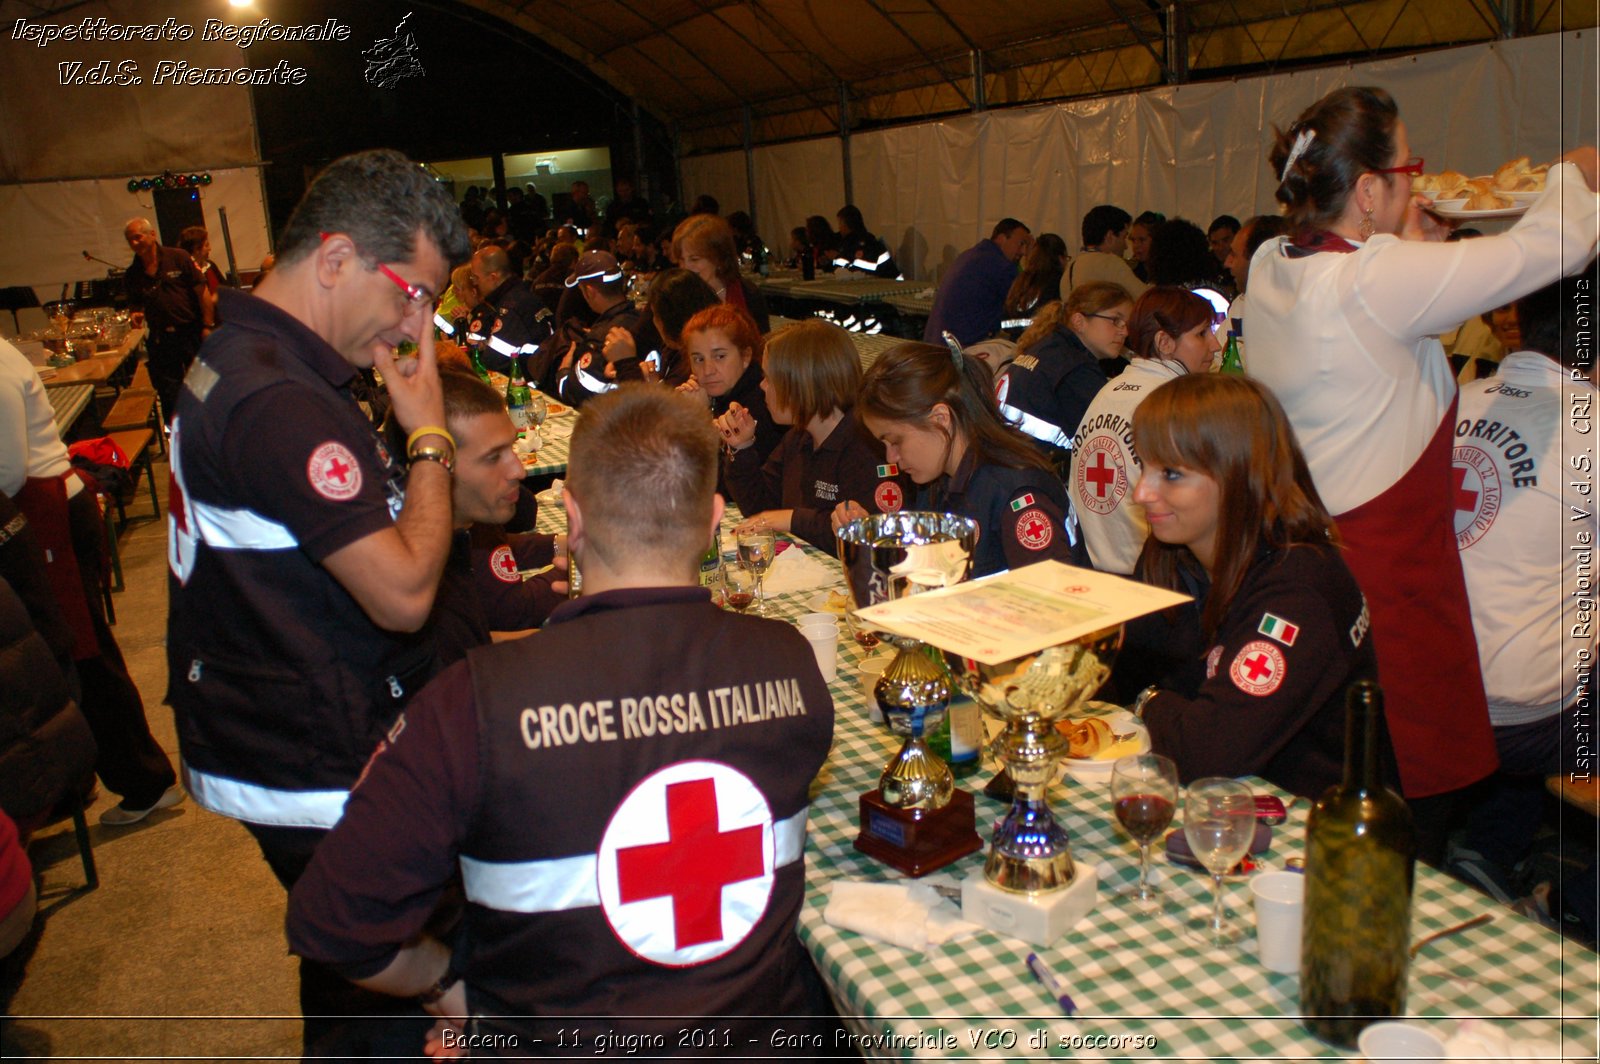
x=180, y=952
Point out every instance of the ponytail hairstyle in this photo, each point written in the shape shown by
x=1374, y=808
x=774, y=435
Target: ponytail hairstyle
x=1166, y=309
x=1234, y=431
x=1319, y=158
x=908, y=380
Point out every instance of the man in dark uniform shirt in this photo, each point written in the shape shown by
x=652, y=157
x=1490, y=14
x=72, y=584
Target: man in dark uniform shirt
x=599, y=279
x=483, y=590
x=166, y=287
x=511, y=319
x=303, y=559
x=574, y=788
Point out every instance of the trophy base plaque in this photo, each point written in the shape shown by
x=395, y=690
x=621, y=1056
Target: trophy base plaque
x=1039, y=918
x=918, y=841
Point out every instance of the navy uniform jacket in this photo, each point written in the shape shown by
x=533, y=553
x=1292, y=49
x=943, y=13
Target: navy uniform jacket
x=586, y=377
x=1266, y=695
x=482, y=590
x=1046, y=390
x=570, y=787
x=812, y=480
x=514, y=322
x=865, y=253
x=280, y=683
x=1021, y=514
x=746, y=391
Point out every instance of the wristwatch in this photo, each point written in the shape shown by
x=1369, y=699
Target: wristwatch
x=441, y=987
x=443, y=455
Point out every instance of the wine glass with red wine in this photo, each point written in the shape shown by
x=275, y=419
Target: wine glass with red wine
x=739, y=590
x=1144, y=795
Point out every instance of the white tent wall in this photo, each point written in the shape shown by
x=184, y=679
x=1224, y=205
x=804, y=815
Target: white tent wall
x=792, y=181
x=48, y=225
x=933, y=189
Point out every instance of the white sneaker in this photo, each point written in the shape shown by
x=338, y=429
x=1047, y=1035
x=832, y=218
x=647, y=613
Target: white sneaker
x=120, y=815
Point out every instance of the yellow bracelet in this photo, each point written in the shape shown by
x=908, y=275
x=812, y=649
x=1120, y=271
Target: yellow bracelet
x=429, y=430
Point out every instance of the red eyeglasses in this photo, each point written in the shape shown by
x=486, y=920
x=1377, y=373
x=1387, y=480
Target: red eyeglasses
x=1412, y=166
x=416, y=295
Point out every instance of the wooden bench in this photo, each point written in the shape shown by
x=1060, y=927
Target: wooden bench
x=135, y=443
x=137, y=407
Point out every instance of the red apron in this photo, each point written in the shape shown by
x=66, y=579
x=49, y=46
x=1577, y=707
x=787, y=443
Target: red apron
x=44, y=500
x=1401, y=547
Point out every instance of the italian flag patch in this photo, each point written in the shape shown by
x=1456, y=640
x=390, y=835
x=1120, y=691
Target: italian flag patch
x=1275, y=627
x=1021, y=502
x=890, y=470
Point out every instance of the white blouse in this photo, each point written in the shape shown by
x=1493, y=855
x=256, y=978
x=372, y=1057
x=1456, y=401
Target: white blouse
x=1349, y=342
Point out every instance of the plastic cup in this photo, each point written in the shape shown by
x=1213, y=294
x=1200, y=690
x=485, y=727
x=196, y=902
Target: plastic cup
x=808, y=619
x=1393, y=1042
x=825, y=645
x=868, y=672
x=1280, y=902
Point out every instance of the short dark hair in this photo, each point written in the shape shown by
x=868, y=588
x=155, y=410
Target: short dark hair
x=1559, y=319
x=192, y=238
x=467, y=395
x=643, y=467
x=676, y=295
x=850, y=215
x=380, y=200
x=1007, y=226
x=1101, y=222
x=1150, y=219
x=1351, y=133
x=1223, y=221
x=1263, y=227
x=1179, y=254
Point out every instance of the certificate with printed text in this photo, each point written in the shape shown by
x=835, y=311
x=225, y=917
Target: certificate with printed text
x=1019, y=612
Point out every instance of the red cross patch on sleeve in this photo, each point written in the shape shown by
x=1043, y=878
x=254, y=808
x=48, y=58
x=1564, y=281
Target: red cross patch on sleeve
x=1258, y=669
x=503, y=564
x=333, y=472
x=889, y=497
x=1034, y=530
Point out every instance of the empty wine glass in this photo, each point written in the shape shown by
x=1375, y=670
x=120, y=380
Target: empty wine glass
x=756, y=549
x=1219, y=820
x=739, y=589
x=1144, y=795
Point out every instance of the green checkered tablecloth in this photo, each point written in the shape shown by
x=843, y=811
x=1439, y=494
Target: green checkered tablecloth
x=916, y=304
x=850, y=290
x=1134, y=976
x=552, y=456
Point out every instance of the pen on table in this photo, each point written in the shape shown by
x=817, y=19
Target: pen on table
x=1052, y=984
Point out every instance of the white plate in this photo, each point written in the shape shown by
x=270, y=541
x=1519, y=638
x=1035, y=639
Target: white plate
x=1454, y=209
x=819, y=603
x=1098, y=770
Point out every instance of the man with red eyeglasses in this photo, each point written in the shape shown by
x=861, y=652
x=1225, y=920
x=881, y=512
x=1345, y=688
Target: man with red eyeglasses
x=303, y=557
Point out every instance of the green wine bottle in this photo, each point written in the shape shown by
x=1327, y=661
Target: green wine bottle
x=1232, y=362
x=1360, y=856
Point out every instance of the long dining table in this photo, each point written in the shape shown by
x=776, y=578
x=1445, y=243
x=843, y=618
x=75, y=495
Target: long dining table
x=100, y=367
x=1141, y=988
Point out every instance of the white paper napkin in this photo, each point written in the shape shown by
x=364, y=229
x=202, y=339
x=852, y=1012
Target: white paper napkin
x=795, y=570
x=1478, y=1041
x=912, y=915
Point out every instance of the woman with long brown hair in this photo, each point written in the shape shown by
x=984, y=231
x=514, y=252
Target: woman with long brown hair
x=704, y=245
x=1282, y=627
x=935, y=413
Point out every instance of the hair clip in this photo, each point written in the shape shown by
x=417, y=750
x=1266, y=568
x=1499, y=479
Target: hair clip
x=1301, y=142
x=955, y=349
